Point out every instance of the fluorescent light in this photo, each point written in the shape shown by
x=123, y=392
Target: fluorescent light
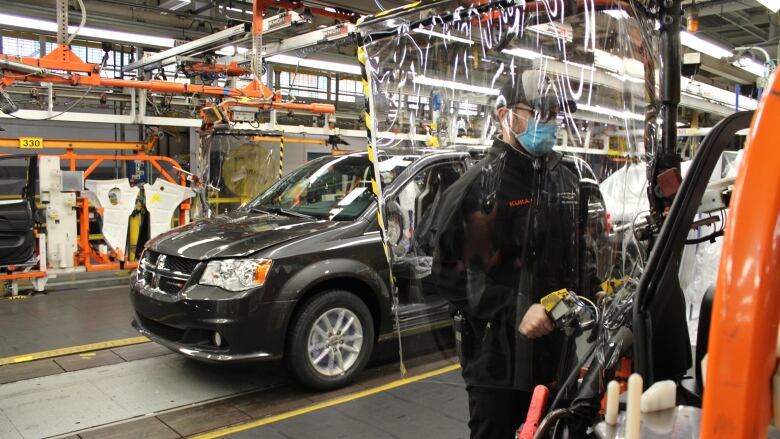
x=231, y=50
x=99, y=34
x=701, y=45
x=561, y=31
x=422, y=30
x=751, y=66
x=424, y=80
x=627, y=68
x=226, y=51
x=697, y=43
x=578, y=65
x=525, y=53
x=701, y=90
x=617, y=14
x=624, y=78
x=239, y=10
x=125, y=37
x=625, y=114
x=182, y=3
x=314, y=63
x=772, y=5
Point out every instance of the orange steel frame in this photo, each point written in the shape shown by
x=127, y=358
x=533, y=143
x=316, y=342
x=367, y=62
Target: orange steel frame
x=746, y=309
x=86, y=254
x=79, y=73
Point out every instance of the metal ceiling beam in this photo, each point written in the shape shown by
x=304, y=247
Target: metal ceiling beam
x=234, y=35
x=724, y=70
x=749, y=28
x=153, y=24
x=193, y=48
x=310, y=39
x=720, y=7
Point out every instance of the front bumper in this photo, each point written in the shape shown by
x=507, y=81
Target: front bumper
x=202, y=354
x=251, y=330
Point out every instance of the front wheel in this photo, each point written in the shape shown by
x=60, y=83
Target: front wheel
x=331, y=340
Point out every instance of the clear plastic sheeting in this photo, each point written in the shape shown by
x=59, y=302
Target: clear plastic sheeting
x=237, y=169
x=548, y=94
x=625, y=192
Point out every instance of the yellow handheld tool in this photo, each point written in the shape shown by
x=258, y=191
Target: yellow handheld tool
x=568, y=311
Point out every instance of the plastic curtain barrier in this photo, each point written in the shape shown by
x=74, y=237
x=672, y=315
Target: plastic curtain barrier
x=514, y=115
x=237, y=169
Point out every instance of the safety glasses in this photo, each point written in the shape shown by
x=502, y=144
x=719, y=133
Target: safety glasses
x=542, y=115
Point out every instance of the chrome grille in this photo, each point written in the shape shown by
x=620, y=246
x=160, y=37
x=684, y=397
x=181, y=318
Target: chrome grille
x=164, y=273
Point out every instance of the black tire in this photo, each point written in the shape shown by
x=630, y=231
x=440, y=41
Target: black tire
x=297, y=354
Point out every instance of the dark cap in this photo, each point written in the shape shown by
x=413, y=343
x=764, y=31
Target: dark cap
x=533, y=90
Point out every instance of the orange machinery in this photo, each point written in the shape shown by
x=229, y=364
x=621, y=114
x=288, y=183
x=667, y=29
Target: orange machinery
x=62, y=66
x=746, y=309
x=86, y=255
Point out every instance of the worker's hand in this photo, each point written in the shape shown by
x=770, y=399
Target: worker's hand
x=535, y=322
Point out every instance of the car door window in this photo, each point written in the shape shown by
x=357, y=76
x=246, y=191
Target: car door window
x=407, y=210
x=16, y=213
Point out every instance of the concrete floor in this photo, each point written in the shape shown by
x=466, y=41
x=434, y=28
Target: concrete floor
x=65, y=318
x=145, y=391
x=433, y=408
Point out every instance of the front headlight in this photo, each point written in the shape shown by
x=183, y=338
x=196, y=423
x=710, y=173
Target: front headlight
x=236, y=274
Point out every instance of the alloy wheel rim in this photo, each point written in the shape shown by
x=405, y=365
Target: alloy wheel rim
x=335, y=342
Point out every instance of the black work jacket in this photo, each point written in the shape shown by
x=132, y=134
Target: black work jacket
x=503, y=236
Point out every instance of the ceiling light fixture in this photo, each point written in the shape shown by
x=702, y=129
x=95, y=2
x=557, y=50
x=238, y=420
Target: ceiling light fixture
x=701, y=45
x=772, y=5
x=625, y=114
x=708, y=92
x=314, y=64
x=708, y=48
x=580, y=66
x=617, y=14
x=245, y=11
x=87, y=32
x=424, y=80
x=525, y=53
x=422, y=30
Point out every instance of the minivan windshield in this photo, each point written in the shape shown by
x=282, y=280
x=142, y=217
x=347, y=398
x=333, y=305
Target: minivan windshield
x=334, y=187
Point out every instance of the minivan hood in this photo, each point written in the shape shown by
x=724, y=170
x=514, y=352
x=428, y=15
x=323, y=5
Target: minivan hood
x=236, y=234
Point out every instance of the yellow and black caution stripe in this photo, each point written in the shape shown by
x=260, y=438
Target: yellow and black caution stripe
x=376, y=187
x=281, y=157
x=387, y=12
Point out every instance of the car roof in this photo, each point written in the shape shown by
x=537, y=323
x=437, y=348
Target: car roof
x=420, y=153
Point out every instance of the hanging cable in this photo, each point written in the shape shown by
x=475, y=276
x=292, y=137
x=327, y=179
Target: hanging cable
x=81, y=24
x=378, y=5
x=70, y=107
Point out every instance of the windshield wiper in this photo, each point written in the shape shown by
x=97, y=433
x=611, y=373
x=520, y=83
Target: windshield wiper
x=281, y=211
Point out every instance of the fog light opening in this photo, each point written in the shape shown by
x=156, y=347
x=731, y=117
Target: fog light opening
x=217, y=339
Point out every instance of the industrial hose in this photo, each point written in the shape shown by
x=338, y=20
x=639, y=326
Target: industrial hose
x=83, y=21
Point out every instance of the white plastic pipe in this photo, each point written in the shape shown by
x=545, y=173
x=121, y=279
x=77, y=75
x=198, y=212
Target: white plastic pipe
x=660, y=396
x=613, y=403
x=633, y=409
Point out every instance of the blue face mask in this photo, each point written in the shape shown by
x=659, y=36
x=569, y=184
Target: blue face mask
x=539, y=138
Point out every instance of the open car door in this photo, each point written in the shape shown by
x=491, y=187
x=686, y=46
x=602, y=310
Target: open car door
x=17, y=208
